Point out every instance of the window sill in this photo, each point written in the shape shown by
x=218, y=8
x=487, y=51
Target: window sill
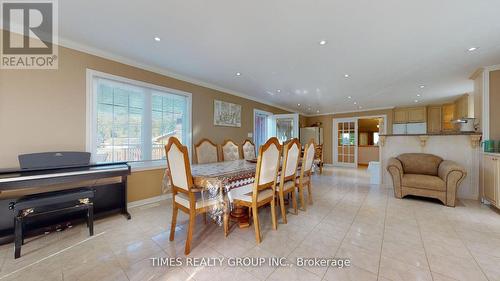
x=148, y=165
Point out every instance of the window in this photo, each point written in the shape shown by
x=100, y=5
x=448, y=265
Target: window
x=132, y=121
x=375, y=138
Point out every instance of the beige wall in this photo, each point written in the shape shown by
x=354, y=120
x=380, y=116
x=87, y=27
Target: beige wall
x=327, y=125
x=44, y=110
x=494, y=105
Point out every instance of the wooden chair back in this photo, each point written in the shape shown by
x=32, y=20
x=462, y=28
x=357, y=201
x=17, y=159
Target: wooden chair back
x=179, y=168
x=206, y=152
x=267, y=166
x=230, y=151
x=291, y=155
x=248, y=149
x=308, y=159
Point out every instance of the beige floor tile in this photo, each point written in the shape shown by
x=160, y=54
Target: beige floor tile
x=352, y=273
x=455, y=267
x=399, y=271
x=293, y=274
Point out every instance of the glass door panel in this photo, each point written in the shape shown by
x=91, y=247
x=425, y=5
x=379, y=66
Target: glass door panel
x=285, y=127
x=345, y=151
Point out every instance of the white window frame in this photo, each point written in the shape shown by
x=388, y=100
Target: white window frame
x=91, y=111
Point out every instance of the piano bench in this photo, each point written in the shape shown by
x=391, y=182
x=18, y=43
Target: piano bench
x=50, y=203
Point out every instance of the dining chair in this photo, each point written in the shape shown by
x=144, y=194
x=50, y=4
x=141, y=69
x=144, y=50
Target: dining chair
x=206, y=152
x=264, y=186
x=230, y=151
x=304, y=178
x=186, y=196
x=318, y=157
x=287, y=184
x=248, y=150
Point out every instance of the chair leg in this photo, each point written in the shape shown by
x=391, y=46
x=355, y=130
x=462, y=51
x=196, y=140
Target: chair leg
x=174, y=222
x=294, y=202
x=309, y=197
x=301, y=197
x=192, y=220
x=256, y=224
x=226, y=222
x=205, y=218
x=273, y=214
x=282, y=206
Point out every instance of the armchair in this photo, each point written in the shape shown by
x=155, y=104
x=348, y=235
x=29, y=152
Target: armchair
x=426, y=175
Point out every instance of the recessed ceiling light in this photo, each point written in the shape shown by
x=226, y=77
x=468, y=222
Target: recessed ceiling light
x=349, y=97
x=355, y=103
x=346, y=75
x=298, y=104
x=317, y=111
x=472, y=49
x=322, y=42
x=238, y=73
x=360, y=107
x=416, y=100
x=279, y=91
x=157, y=39
x=418, y=95
x=422, y=86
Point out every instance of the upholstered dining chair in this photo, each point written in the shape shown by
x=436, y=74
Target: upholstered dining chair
x=230, y=151
x=264, y=186
x=304, y=178
x=248, y=150
x=287, y=184
x=206, y=152
x=186, y=196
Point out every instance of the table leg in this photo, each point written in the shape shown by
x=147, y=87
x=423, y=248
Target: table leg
x=240, y=214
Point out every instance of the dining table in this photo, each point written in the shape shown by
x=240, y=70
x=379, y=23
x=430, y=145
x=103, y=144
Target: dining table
x=221, y=181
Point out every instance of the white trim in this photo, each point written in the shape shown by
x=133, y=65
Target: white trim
x=139, y=166
x=160, y=70
x=294, y=116
x=156, y=199
x=90, y=118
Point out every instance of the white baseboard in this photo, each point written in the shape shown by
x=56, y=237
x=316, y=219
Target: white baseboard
x=151, y=200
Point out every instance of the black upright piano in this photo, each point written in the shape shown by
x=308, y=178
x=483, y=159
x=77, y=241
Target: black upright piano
x=41, y=173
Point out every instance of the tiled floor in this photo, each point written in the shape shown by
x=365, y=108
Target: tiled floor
x=385, y=238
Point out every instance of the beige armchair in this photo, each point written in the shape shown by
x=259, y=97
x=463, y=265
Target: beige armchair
x=426, y=175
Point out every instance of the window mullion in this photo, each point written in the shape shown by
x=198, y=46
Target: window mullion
x=147, y=143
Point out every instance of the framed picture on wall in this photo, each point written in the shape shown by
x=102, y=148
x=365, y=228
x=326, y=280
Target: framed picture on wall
x=227, y=114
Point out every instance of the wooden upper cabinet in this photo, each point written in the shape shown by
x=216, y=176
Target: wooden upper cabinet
x=400, y=116
x=462, y=107
x=434, y=119
x=417, y=115
x=448, y=116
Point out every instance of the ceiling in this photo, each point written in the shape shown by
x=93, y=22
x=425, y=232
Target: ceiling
x=389, y=48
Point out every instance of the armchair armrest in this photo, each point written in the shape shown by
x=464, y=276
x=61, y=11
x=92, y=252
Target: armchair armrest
x=452, y=174
x=395, y=168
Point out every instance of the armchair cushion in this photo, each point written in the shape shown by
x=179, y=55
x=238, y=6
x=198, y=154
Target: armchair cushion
x=424, y=182
x=420, y=163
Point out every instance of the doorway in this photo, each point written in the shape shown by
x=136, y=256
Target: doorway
x=266, y=125
x=355, y=140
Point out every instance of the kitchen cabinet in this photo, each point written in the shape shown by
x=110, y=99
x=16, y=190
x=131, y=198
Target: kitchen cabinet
x=434, y=119
x=410, y=115
x=417, y=115
x=491, y=179
x=462, y=107
x=448, y=114
x=400, y=116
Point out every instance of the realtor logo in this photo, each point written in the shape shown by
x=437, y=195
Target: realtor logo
x=29, y=35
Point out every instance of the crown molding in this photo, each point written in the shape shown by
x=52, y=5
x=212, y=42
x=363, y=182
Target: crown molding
x=70, y=44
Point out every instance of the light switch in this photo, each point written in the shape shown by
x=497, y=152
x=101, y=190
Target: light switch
x=250, y=135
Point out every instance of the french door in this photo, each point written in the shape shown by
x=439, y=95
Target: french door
x=345, y=152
